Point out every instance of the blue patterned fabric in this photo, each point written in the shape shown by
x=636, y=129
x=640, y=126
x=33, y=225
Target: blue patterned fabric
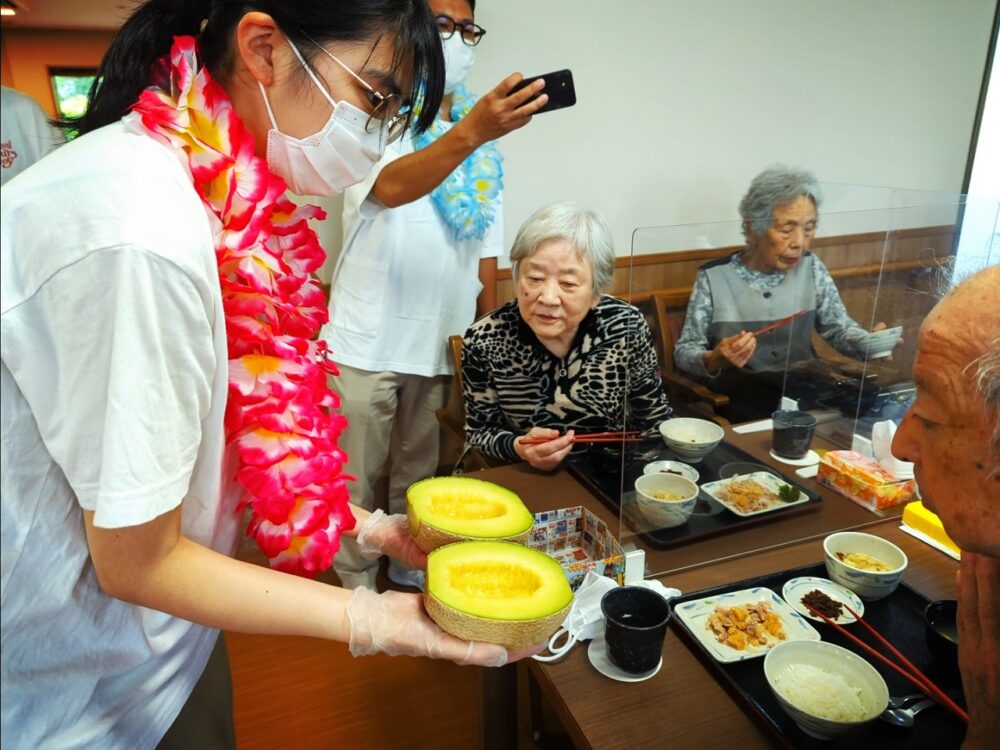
x=466, y=200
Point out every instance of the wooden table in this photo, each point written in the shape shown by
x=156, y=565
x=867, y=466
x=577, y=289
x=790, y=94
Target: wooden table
x=541, y=491
x=683, y=703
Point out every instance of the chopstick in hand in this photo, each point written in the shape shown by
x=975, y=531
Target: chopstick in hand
x=910, y=672
x=779, y=323
x=593, y=437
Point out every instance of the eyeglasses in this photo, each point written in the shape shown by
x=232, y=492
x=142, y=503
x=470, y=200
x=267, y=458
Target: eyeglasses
x=388, y=110
x=471, y=33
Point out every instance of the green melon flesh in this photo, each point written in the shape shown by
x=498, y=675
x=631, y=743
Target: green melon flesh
x=498, y=592
x=442, y=510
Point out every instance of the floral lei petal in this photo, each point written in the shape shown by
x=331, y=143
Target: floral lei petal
x=466, y=200
x=280, y=416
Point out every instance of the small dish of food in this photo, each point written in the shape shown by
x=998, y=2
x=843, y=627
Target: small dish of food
x=665, y=500
x=825, y=596
x=752, y=494
x=743, y=624
x=868, y=565
x=827, y=690
x=671, y=467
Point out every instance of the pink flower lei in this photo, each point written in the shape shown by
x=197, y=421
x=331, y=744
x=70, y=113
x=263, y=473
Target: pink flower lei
x=280, y=412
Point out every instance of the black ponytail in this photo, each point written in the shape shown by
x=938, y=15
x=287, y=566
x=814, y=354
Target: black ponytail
x=125, y=70
x=149, y=32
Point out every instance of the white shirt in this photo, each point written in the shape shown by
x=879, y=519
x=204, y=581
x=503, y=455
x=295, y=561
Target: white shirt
x=25, y=133
x=403, y=283
x=114, y=385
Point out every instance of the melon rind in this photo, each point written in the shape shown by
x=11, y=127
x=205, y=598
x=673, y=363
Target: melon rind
x=430, y=536
x=477, y=616
x=514, y=635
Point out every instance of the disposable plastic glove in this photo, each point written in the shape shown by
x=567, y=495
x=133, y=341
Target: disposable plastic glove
x=395, y=623
x=390, y=535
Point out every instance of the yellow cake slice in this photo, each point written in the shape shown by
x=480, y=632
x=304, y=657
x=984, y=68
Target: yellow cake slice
x=925, y=525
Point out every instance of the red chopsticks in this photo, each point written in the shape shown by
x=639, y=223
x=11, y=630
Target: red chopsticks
x=910, y=671
x=593, y=437
x=779, y=323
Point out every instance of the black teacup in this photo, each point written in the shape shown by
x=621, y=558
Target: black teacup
x=635, y=623
x=793, y=433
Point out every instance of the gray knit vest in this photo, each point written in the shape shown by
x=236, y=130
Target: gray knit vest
x=738, y=307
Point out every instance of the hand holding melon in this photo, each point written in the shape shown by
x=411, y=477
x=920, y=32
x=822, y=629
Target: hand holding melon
x=388, y=535
x=498, y=592
x=482, y=584
x=395, y=623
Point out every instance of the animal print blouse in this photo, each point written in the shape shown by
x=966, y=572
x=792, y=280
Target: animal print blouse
x=513, y=383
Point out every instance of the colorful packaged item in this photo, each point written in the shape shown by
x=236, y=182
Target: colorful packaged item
x=863, y=480
x=926, y=526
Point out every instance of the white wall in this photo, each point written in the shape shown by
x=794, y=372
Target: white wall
x=980, y=240
x=682, y=102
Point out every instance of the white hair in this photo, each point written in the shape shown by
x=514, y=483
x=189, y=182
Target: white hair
x=775, y=186
x=582, y=228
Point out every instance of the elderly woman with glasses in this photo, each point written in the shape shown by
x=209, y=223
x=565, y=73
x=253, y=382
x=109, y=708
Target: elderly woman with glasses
x=562, y=357
x=773, y=277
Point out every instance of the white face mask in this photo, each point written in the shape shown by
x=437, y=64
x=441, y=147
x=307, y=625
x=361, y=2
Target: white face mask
x=458, y=60
x=330, y=161
x=585, y=621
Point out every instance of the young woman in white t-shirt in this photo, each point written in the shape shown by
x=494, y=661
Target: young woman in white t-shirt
x=160, y=368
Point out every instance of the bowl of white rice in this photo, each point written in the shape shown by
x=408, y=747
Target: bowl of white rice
x=826, y=689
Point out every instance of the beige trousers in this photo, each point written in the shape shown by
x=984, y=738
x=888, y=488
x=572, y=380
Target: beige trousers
x=388, y=413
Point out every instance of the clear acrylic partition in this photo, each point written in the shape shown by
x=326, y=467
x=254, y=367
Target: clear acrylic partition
x=890, y=253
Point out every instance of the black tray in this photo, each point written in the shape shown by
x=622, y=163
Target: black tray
x=710, y=518
x=899, y=618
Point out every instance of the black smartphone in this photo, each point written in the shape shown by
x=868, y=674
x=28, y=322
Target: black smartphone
x=558, y=86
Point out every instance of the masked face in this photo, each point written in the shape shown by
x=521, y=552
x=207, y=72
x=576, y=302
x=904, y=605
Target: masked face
x=328, y=162
x=458, y=60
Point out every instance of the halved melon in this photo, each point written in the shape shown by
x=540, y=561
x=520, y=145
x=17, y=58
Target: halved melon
x=443, y=510
x=499, y=592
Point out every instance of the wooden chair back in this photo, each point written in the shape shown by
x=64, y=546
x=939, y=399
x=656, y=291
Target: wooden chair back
x=451, y=418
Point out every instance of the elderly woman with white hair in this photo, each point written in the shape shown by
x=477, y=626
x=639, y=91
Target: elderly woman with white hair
x=561, y=357
x=773, y=277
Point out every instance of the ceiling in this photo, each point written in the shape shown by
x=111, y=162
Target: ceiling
x=69, y=14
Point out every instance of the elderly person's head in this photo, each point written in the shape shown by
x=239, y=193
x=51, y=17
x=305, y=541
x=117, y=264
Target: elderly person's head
x=952, y=430
x=779, y=213
x=563, y=258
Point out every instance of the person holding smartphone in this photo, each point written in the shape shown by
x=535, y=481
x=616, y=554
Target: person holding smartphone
x=421, y=238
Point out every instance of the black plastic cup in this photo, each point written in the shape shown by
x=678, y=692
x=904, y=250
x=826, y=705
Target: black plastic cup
x=635, y=623
x=940, y=620
x=793, y=433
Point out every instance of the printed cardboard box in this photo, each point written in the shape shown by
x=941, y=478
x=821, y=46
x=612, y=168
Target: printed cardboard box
x=579, y=541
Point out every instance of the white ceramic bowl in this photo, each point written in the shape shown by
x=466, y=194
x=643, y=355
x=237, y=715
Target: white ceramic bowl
x=855, y=671
x=881, y=343
x=668, y=467
x=665, y=514
x=868, y=584
x=691, y=439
